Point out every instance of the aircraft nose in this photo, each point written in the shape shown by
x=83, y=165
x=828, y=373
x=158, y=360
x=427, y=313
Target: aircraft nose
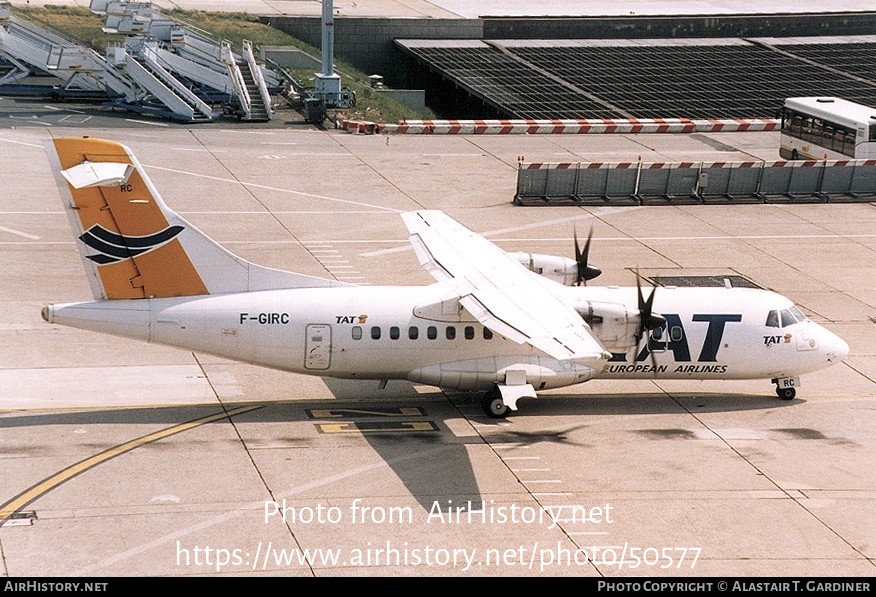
x=835, y=348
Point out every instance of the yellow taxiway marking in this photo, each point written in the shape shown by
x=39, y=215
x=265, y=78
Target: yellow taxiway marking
x=393, y=427
x=46, y=485
x=332, y=413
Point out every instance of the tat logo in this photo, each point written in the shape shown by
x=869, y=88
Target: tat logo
x=770, y=340
x=673, y=338
x=360, y=319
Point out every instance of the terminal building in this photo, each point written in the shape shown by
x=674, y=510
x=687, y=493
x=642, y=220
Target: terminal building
x=712, y=66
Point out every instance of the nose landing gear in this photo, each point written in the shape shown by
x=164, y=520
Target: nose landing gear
x=786, y=387
x=786, y=393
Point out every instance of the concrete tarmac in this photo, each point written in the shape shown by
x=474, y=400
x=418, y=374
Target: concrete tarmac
x=121, y=459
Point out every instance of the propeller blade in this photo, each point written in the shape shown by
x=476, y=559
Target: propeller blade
x=585, y=271
x=648, y=320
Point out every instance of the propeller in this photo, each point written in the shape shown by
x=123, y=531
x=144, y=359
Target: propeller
x=648, y=320
x=585, y=271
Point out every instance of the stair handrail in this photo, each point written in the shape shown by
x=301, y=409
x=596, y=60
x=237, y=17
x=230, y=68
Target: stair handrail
x=257, y=75
x=236, y=77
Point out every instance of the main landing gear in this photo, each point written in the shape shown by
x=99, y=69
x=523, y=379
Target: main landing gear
x=501, y=399
x=493, y=405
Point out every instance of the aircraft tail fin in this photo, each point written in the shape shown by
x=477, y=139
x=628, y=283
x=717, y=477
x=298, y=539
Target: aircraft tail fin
x=132, y=244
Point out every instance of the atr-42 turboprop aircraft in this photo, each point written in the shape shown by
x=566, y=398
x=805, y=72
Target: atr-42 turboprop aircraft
x=507, y=324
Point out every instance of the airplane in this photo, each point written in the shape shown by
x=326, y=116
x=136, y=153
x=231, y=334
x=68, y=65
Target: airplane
x=505, y=324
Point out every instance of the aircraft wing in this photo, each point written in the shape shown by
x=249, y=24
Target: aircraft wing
x=498, y=291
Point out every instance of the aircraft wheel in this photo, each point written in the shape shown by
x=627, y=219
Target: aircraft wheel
x=786, y=393
x=794, y=154
x=493, y=405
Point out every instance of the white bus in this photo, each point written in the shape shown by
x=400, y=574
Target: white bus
x=819, y=128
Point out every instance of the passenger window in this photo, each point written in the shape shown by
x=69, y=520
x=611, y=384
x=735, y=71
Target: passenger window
x=375, y=333
x=394, y=333
x=450, y=332
x=357, y=332
x=413, y=332
x=787, y=318
x=431, y=332
x=469, y=332
x=676, y=333
x=772, y=319
x=488, y=334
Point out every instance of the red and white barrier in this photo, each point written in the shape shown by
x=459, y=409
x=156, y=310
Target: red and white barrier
x=571, y=126
x=703, y=165
x=362, y=127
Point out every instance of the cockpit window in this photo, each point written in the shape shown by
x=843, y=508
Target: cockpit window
x=784, y=318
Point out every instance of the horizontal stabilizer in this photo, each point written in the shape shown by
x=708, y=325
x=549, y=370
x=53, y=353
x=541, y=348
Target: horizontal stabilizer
x=99, y=174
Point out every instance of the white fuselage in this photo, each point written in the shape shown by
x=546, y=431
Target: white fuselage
x=422, y=335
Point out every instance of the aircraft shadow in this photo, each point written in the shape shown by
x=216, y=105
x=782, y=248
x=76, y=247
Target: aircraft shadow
x=433, y=462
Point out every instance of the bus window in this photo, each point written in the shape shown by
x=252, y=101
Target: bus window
x=813, y=130
x=827, y=136
x=839, y=140
x=796, y=125
x=849, y=145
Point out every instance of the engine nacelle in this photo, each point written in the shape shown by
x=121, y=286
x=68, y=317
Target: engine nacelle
x=614, y=324
x=556, y=268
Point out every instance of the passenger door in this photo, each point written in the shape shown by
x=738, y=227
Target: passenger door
x=318, y=346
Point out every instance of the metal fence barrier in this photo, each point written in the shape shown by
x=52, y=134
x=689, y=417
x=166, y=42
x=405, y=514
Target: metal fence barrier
x=640, y=183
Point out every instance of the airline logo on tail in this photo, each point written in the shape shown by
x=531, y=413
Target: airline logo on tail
x=113, y=247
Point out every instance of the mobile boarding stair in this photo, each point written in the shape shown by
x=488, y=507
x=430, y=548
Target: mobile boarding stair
x=30, y=50
x=132, y=81
x=215, y=72
x=249, y=84
x=159, y=93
